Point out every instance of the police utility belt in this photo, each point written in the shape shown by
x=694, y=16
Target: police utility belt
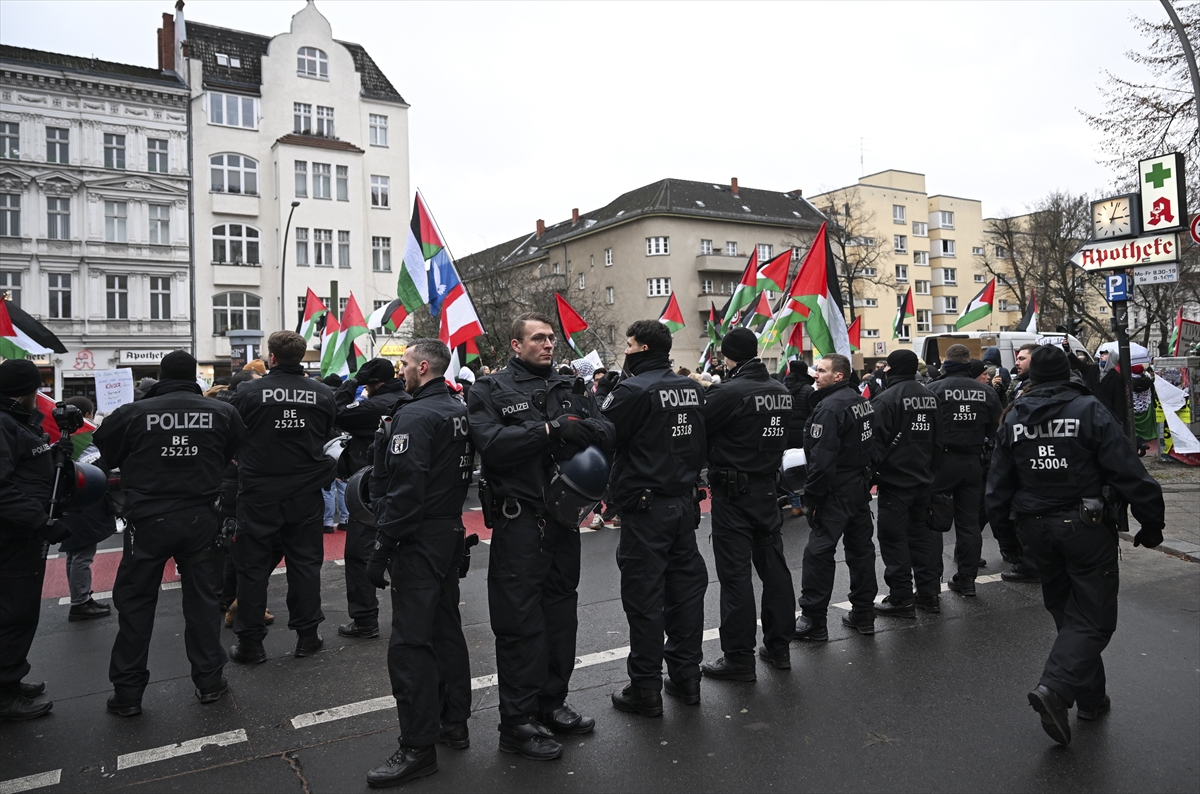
x=959, y=449
x=1106, y=509
x=734, y=483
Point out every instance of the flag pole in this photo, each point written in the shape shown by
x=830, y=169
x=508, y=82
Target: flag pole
x=449, y=253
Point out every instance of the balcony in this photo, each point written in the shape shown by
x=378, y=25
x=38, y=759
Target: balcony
x=721, y=264
x=235, y=204
x=237, y=275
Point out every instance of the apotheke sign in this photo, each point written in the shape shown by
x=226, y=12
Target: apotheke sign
x=145, y=357
x=1146, y=250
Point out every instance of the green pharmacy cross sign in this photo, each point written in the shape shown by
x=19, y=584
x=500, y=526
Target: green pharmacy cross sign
x=1158, y=176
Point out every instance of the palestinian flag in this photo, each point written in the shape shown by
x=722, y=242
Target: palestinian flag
x=389, y=317
x=314, y=312
x=980, y=306
x=855, y=335
x=773, y=275
x=1173, y=340
x=21, y=336
x=467, y=352
x=745, y=292
x=412, y=285
x=353, y=326
x=1029, y=319
x=80, y=439
x=816, y=296
x=572, y=324
x=671, y=316
x=795, y=344
x=329, y=344
x=903, y=312
x=706, y=356
x=760, y=313
x=713, y=326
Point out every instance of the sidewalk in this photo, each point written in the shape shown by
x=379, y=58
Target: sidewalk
x=1181, y=492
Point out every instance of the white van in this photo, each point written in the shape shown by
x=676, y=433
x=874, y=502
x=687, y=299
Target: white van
x=933, y=347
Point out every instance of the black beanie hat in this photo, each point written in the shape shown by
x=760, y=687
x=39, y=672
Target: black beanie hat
x=377, y=370
x=740, y=344
x=1049, y=363
x=902, y=364
x=19, y=377
x=976, y=368
x=177, y=365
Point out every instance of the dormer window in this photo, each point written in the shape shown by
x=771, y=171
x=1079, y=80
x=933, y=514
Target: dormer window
x=228, y=60
x=311, y=62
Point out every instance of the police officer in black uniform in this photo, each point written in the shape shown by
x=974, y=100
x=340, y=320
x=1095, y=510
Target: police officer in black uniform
x=360, y=418
x=521, y=418
x=427, y=463
x=968, y=415
x=26, y=485
x=171, y=447
x=904, y=424
x=281, y=471
x=1064, y=465
x=838, y=446
x=747, y=419
x=659, y=421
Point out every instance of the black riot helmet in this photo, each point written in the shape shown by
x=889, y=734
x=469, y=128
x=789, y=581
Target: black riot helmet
x=358, y=497
x=794, y=470
x=577, y=485
x=86, y=485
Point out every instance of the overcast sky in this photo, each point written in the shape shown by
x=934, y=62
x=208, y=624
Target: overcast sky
x=522, y=111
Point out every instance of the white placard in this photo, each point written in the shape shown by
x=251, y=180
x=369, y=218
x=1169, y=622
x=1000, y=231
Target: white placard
x=1167, y=273
x=114, y=388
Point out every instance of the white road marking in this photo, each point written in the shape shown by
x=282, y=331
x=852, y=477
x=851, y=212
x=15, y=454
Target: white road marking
x=992, y=577
x=172, y=585
x=141, y=757
x=101, y=596
x=30, y=782
x=283, y=569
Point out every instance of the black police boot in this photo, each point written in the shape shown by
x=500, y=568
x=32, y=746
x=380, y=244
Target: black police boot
x=361, y=630
x=726, y=670
x=531, y=740
x=780, y=661
x=308, y=644
x=1096, y=713
x=962, y=586
x=248, y=652
x=811, y=629
x=1016, y=574
x=687, y=691
x=897, y=607
x=16, y=707
x=929, y=602
x=632, y=699
x=211, y=694
x=123, y=708
x=88, y=610
x=1053, y=712
x=31, y=690
x=455, y=735
x=407, y=763
x=565, y=719
x=862, y=620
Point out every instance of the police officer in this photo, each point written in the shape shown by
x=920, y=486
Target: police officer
x=1062, y=463
x=747, y=418
x=522, y=417
x=659, y=421
x=427, y=463
x=26, y=485
x=360, y=418
x=171, y=447
x=904, y=425
x=281, y=471
x=837, y=501
x=968, y=414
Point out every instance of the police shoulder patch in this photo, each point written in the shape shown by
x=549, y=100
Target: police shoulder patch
x=816, y=430
x=607, y=401
x=399, y=443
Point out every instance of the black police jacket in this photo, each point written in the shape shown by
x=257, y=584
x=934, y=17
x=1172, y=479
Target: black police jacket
x=905, y=424
x=427, y=462
x=801, y=389
x=1059, y=444
x=658, y=417
x=361, y=419
x=171, y=447
x=746, y=419
x=26, y=472
x=509, y=411
x=838, y=441
x=968, y=413
x=288, y=420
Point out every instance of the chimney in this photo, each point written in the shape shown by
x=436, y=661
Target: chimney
x=166, y=44
x=798, y=193
x=541, y=227
x=575, y=216
x=733, y=185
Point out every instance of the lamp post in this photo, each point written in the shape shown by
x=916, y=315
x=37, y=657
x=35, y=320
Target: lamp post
x=283, y=326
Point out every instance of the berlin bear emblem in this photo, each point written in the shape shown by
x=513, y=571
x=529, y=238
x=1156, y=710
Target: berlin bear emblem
x=399, y=443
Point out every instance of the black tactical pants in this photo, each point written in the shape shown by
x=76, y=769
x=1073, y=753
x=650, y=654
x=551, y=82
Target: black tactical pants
x=907, y=544
x=427, y=653
x=844, y=514
x=188, y=536
x=22, y=570
x=296, y=524
x=533, y=577
x=1080, y=578
x=663, y=579
x=961, y=476
x=362, y=601
x=747, y=530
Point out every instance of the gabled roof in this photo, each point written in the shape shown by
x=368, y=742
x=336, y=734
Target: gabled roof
x=88, y=66
x=317, y=142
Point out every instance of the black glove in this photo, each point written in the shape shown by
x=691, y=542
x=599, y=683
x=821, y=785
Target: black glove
x=571, y=432
x=380, y=560
x=813, y=514
x=1148, y=537
x=607, y=384
x=58, y=532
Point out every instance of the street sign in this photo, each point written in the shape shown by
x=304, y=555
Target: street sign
x=1156, y=274
x=1116, y=287
x=1195, y=230
x=1164, y=206
x=1145, y=250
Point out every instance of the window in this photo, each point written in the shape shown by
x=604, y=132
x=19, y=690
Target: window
x=58, y=218
x=236, y=311
x=235, y=244
x=920, y=229
x=10, y=286
x=324, y=122
x=10, y=215
x=658, y=246
x=115, y=214
x=57, y=145
x=905, y=332
x=706, y=286
x=582, y=281
x=921, y=258
x=945, y=247
x=730, y=248
x=797, y=254
x=116, y=296
x=977, y=250
x=870, y=333
x=609, y=296
x=658, y=287
x=1006, y=306
x=1001, y=252
x=554, y=268
x=323, y=247
x=949, y=304
x=302, y=247
x=311, y=62
x=379, y=129
x=160, y=224
x=301, y=118
x=867, y=303
x=301, y=169
x=921, y=287
x=225, y=60
x=942, y=220
x=608, y=260
x=234, y=173
x=898, y=214
x=114, y=151
x=343, y=183
x=60, y=295
x=706, y=248
x=902, y=273
x=381, y=254
x=341, y=305
x=320, y=181
x=900, y=243
x=924, y=321
x=764, y=252
x=868, y=272
x=949, y=276
x=230, y=110
x=343, y=249
x=10, y=140
x=160, y=298
x=156, y=155
x=381, y=187
x=979, y=279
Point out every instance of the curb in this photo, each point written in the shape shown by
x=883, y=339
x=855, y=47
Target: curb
x=1173, y=546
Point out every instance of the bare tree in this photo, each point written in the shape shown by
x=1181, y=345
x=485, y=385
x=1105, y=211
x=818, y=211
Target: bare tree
x=1006, y=256
x=861, y=256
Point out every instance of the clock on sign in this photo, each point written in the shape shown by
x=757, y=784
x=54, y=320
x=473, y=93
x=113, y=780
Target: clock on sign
x=1115, y=218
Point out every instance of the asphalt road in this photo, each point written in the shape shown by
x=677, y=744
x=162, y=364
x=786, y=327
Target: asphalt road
x=935, y=704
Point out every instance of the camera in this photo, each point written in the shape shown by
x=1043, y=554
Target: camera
x=68, y=418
